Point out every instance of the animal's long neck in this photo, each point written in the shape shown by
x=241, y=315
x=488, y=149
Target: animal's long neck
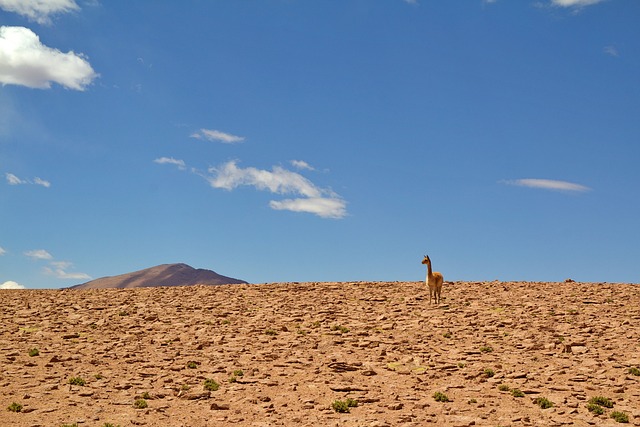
x=429, y=272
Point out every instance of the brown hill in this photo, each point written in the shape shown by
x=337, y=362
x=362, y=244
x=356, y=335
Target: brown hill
x=161, y=275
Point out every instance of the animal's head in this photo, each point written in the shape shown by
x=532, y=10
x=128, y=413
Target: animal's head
x=426, y=260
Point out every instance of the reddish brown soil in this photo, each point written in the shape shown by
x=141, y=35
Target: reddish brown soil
x=300, y=347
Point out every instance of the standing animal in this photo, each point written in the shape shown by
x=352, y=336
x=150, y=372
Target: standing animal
x=433, y=281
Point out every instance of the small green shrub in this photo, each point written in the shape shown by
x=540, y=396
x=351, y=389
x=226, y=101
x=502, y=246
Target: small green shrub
x=271, y=332
x=489, y=372
x=340, y=328
x=146, y=395
x=504, y=387
x=543, y=402
x=14, y=407
x=447, y=334
x=620, y=417
x=634, y=371
x=211, y=385
x=77, y=381
x=238, y=373
x=140, y=404
x=344, y=406
x=596, y=409
x=486, y=349
x=471, y=401
x=34, y=352
x=110, y=425
x=72, y=425
x=192, y=364
x=601, y=401
x=516, y=392
x=440, y=397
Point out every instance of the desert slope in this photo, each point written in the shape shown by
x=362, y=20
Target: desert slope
x=283, y=353
x=161, y=275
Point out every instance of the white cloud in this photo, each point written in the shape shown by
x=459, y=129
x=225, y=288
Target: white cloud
x=59, y=271
x=548, y=184
x=574, y=3
x=10, y=284
x=302, y=165
x=332, y=207
x=38, y=254
x=2, y=251
x=171, y=161
x=39, y=10
x=14, y=180
x=25, y=61
x=315, y=200
x=216, y=135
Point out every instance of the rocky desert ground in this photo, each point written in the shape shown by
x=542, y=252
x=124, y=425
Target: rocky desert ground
x=293, y=354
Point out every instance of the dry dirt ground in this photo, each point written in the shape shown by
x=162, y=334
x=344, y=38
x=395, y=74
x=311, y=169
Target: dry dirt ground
x=282, y=354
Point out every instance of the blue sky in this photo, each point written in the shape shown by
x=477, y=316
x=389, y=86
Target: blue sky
x=339, y=140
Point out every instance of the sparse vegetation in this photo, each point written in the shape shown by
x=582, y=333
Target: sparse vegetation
x=34, y=352
x=340, y=328
x=98, y=376
x=516, y=392
x=543, y=402
x=620, y=417
x=601, y=401
x=489, y=372
x=634, y=371
x=440, y=397
x=73, y=425
x=471, y=401
x=110, y=425
x=344, y=406
x=504, y=387
x=192, y=364
x=486, y=349
x=14, y=407
x=211, y=385
x=77, y=381
x=146, y=395
x=271, y=332
x=596, y=409
x=140, y=404
x=447, y=334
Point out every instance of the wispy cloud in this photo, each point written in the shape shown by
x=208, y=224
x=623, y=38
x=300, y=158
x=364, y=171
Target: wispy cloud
x=216, y=135
x=39, y=11
x=2, y=251
x=25, y=61
x=302, y=165
x=39, y=254
x=575, y=3
x=548, y=184
x=171, y=161
x=10, y=284
x=56, y=269
x=59, y=269
x=322, y=202
x=611, y=51
x=14, y=180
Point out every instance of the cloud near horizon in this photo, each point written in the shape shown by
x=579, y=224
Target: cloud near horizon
x=548, y=184
x=39, y=254
x=216, y=135
x=10, y=284
x=58, y=269
x=25, y=61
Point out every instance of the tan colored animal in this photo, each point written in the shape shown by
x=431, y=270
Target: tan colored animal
x=433, y=281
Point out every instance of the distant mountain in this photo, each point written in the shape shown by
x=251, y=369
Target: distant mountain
x=161, y=275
